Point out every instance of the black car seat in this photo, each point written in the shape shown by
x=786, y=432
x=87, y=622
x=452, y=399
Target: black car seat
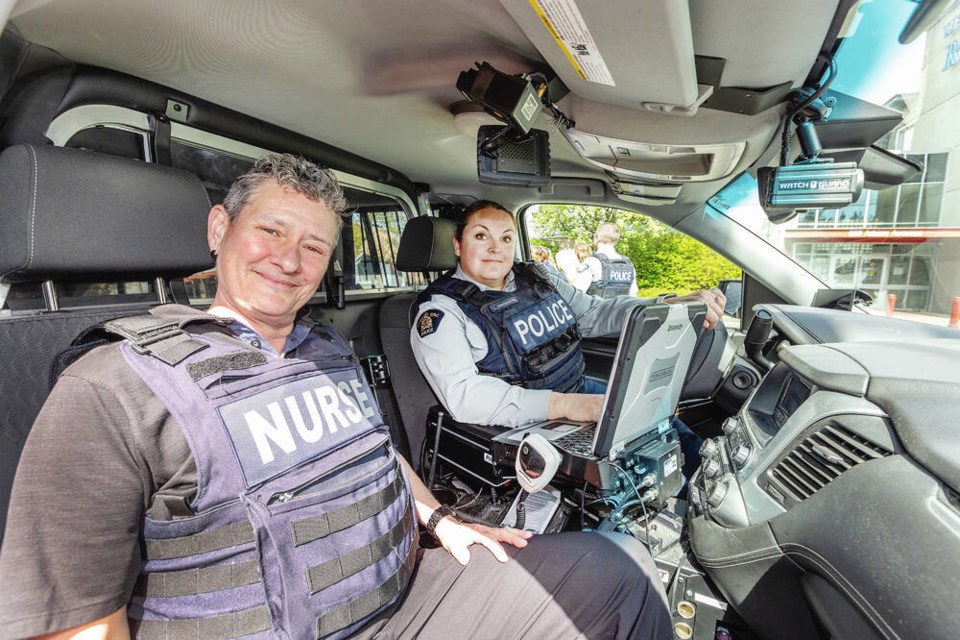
x=70, y=216
x=426, y=246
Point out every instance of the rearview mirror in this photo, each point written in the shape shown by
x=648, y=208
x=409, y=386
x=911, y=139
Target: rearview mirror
x=881, y=168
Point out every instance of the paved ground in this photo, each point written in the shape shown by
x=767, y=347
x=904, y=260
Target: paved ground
x=926, y=318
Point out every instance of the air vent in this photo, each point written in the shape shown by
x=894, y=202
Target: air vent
x=821, y=458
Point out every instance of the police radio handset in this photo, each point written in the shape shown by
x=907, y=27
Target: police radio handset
x=537, y=463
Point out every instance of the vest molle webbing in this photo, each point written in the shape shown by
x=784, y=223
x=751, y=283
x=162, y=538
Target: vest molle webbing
x=302, y=525
x=532, y=335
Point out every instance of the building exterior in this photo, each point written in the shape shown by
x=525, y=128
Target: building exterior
x=904, y=240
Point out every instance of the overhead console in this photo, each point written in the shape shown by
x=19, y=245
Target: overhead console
x=656, y=161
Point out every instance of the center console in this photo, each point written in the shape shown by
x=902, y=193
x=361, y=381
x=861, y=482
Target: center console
x=806, y=417
x=772, y=490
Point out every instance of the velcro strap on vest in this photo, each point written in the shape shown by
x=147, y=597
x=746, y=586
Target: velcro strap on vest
x=231, y=625
x=329, y=573
x=369, y=602
x=316, y=527
x=191, y=582
x=230, y=362
x=150, y=335
x=202, y=542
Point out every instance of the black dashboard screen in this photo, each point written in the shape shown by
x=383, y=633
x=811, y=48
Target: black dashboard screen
x=794, y=392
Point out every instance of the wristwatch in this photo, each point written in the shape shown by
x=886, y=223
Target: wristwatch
x=441, y=512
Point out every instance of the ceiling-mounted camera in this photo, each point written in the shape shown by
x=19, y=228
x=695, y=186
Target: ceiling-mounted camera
x=514, y=154
x=813, y=182
x=511, y=99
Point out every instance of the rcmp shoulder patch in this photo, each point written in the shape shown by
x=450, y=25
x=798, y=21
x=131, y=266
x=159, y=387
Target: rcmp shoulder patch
x=429, y=322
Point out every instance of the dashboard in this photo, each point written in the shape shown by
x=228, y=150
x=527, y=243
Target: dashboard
x=835, y=491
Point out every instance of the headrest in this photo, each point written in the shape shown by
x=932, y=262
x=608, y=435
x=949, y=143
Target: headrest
x=427, y=245
x=77, y=215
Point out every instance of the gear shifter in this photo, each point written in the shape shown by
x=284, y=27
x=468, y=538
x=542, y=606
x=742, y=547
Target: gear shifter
x=756, y=338
x=537, y=462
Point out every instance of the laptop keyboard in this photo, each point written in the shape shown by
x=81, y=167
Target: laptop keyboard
x=578, y=443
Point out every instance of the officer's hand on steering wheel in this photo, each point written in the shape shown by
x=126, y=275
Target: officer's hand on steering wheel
x=715, y=301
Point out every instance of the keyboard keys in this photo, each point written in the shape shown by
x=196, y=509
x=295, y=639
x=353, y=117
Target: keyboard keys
x=578, y=443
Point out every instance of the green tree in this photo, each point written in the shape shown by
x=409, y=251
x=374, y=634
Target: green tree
x=577, y=223
x=665, y=259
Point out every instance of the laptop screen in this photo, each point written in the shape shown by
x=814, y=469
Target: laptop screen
x=656, y=345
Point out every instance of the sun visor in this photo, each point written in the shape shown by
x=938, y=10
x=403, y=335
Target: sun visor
x=584, y=44
x=881, y=168
x=856, y=123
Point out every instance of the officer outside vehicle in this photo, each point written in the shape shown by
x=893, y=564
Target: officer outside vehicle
x=235, y=478
x=611, y=274
x=542, y=255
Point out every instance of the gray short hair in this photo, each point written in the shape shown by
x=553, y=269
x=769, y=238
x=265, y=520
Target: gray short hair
x=306, y=178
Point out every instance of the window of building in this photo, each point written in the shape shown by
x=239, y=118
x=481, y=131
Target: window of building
x=916, y=203
x=879, y=269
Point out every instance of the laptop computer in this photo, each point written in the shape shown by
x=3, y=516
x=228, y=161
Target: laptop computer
x=653, y=356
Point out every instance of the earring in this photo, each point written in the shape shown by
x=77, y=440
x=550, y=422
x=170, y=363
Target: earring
x=213, y=254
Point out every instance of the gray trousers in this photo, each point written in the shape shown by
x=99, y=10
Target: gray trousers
x=563, y=586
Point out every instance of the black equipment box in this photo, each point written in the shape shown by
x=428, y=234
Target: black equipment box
x=466, y=448
x=665, y=461
x=655, y=453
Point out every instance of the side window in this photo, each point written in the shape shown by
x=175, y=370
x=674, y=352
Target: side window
x=113, y=140
x=665, y=260
x=366, y=255
x=30, y=297
x=370, y=248
x=216, y=169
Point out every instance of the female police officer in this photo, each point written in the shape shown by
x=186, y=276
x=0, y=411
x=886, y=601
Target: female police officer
x=488, y=371
x=227, y=474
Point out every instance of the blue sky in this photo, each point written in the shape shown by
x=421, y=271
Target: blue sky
x=871, y=64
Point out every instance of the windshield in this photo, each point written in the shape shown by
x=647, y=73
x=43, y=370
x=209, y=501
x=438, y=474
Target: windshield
x=900, y=244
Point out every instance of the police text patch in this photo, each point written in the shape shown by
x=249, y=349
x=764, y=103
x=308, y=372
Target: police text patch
x=429, y=322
